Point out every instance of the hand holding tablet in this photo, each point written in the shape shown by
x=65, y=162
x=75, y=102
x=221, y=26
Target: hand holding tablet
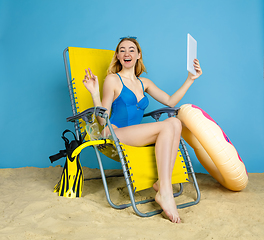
x=191, y=56
x=191, y=53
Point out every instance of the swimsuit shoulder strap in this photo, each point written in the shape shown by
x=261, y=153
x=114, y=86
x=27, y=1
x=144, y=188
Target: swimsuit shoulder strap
x=120, y=78
x=141, y=84
x=137, y=78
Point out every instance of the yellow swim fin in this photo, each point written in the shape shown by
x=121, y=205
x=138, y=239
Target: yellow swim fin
x=71, y=183
x=57, y=187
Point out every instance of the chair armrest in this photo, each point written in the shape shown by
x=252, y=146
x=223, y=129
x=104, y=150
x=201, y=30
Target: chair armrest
x=86, y=115
x=171, y=111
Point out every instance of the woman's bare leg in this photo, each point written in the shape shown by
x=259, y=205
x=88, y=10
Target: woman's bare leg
x=165, y=191
x=176, y=141
x=165, y=135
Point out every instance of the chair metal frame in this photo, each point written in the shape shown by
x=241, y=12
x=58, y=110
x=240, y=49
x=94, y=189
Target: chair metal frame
x=100, y=111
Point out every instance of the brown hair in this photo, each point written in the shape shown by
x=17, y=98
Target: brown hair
x=115, y=65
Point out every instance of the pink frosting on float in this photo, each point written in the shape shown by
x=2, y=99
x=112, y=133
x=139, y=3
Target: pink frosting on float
x=225, y=136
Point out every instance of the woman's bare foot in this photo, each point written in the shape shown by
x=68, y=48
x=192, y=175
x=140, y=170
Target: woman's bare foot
x=168, y=205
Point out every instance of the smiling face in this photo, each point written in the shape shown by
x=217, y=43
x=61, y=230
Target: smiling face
x=128, y=54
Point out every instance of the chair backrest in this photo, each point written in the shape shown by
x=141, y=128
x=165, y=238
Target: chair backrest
x=98, y=60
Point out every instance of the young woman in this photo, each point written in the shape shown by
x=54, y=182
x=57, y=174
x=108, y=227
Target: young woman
x=124, y=96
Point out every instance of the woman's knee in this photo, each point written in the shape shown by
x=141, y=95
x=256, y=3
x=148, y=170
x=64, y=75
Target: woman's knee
x=174, y=123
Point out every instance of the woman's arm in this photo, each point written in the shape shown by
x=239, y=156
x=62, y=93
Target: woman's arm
x=172, y=100
x=91, y=83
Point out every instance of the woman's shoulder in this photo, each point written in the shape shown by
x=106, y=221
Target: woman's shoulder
x=112, y=80
x=143, y=79
x=111, y=77
x=147, y=82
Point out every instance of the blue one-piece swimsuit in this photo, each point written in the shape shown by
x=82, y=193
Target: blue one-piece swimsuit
x=126, y=110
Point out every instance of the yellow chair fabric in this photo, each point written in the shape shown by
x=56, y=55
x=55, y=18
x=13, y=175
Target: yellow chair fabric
x=143, y=167
x=83, y=58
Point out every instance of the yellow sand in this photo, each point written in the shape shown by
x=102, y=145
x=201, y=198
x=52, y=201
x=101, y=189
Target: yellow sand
x=30, y=210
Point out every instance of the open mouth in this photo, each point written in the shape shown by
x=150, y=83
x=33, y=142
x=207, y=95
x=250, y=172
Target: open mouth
x=127, y=60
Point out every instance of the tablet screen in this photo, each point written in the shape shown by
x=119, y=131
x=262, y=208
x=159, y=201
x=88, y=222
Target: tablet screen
x=191, y=53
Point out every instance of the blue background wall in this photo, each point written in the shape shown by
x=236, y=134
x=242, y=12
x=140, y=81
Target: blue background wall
x=34, y=97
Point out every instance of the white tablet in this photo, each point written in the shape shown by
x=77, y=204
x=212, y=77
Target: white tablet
x=191, y=53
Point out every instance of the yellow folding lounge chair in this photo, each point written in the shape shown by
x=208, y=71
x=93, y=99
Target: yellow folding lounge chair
x=138, y=163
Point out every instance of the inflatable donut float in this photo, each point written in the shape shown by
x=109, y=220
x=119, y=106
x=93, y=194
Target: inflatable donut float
x=213, y=148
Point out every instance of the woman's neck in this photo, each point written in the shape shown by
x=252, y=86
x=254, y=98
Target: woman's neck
x=128, y=73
